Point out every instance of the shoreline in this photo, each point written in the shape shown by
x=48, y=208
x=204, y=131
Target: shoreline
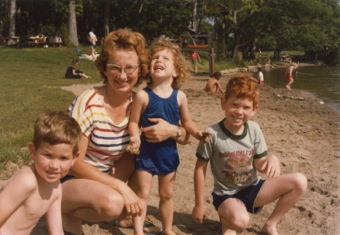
x=252, y=70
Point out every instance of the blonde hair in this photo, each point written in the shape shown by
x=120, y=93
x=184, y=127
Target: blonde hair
x=91, y=34
x=243, y=86
x=181, y=65
x=127, y=40
x=55, y=127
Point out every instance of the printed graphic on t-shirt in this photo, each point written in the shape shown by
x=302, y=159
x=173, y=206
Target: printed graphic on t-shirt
x=238, y=166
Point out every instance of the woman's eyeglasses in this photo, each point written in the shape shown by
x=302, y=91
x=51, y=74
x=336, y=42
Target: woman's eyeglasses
x=128, y=69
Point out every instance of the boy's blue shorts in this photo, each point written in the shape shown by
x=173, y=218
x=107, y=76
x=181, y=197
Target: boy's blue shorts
x=246, y=195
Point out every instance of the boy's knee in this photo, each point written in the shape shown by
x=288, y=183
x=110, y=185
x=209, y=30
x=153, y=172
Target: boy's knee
x=301, y=182
x=242, y=221
x=238, y=221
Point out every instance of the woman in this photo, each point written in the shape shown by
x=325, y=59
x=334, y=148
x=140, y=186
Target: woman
x=98, y=190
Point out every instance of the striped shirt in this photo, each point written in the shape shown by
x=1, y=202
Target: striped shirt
x=107, y=140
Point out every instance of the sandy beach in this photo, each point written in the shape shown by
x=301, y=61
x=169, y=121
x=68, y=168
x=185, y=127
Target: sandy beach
x=301, y=131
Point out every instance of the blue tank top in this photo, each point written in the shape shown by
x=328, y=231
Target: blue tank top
x=159, y=158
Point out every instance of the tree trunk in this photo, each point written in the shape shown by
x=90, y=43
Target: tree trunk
x=12, y=11
x=107, y=18
x=194, y=14
x=72, y=24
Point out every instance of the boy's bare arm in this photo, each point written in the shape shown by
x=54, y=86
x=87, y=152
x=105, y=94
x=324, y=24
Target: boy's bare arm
x=19, y=187
x=53, y=215
x=199, y=209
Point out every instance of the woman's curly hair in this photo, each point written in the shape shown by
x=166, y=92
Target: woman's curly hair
x=125, y=39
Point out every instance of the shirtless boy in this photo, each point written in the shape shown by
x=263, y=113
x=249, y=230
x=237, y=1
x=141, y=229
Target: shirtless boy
x=35, y=190
x=213, y=84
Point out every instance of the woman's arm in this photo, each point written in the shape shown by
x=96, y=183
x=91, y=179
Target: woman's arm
x=162, y=130
x=84, y=170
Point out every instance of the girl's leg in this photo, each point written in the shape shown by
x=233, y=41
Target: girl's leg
x=234, y=216
x=88, y=200
x=141, y=184
x=288, y=189
x=166, y=207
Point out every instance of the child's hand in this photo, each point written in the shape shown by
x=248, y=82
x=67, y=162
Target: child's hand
x=273, y=167
x=198, y=214
x=133, y=147
x=203, y=136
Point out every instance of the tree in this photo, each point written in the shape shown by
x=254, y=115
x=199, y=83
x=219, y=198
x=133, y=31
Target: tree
x=12, y=12
x=72, y=23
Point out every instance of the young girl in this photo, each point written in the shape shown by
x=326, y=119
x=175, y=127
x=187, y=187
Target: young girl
x=160, y=99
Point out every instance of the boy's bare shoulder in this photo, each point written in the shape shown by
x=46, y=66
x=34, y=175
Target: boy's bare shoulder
x=26, y=174
x=24, y=180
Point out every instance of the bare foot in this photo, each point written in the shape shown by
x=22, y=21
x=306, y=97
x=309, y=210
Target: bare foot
x=169, y=233
x=288, y=87
x=150, y=228
x=269, y=230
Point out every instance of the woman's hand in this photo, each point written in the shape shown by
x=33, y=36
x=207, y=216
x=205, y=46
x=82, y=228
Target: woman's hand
x=132, y=203
x=162, y=130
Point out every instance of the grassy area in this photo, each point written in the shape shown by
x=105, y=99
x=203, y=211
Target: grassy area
x=30, y=79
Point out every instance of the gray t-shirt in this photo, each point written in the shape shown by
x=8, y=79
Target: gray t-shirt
x=232, y=156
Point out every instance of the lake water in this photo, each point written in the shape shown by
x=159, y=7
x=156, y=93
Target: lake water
x=322, y=81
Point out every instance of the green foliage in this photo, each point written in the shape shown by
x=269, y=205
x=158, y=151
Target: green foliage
x=234, y=26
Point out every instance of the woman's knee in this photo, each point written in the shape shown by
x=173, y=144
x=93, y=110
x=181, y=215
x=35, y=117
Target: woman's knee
x=110, y=206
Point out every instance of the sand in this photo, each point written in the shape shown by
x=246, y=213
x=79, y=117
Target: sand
x=303, y=133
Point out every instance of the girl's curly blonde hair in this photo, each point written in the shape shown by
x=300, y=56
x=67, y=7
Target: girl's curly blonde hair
x=182, y=66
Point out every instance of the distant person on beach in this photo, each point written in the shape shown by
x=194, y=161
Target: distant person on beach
x=195, y=57
x=213, y=85
x=93, y=40
x=260, y=75
x=73, y=72
x=35, y=190
x=237, y=150
x=161, y=98
x=289, y=74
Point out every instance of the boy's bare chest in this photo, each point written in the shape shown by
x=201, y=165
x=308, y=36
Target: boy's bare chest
x=38, y=204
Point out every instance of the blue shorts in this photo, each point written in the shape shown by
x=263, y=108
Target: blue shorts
x=69, y=176
x=246, y=195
